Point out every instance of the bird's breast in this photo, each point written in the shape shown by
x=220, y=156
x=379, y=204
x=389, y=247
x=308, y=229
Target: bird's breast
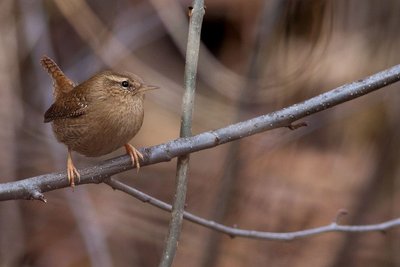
x=105, y=127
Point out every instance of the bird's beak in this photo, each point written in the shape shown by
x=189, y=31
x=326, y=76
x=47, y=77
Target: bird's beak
x=148, y=88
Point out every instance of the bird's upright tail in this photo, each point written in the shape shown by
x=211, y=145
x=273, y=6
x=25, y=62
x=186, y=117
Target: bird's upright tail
x=61, y=82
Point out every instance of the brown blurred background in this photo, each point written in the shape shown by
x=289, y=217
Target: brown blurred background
x=256, y=57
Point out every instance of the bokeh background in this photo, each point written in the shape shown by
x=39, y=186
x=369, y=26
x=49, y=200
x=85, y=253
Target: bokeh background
x=256, y=57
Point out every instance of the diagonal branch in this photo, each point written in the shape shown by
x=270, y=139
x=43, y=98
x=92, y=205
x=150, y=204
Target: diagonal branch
x=33, y=188
x=236, y=232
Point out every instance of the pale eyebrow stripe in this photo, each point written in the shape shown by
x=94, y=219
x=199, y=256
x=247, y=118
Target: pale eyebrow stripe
x=118, y=79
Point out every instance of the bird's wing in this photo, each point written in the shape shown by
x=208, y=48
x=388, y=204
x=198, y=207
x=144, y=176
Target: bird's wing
x=69, y=106
x=62, y=85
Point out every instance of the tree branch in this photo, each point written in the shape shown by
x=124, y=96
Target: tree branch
x=33, y=188
x=236, y=232
x=192, y=55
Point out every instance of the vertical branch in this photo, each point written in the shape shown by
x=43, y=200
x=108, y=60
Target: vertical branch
x=192, y=54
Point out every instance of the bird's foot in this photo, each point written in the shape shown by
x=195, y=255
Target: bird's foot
x=134, y=154
x=72, y=172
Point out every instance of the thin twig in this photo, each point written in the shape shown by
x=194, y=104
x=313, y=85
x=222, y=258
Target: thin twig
x=31, y=188
x=236, y=232
x=192, y=55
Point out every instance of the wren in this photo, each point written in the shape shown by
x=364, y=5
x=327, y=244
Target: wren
x=97, y=116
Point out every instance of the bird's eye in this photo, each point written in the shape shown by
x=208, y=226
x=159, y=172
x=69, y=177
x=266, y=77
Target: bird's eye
x=125, y=84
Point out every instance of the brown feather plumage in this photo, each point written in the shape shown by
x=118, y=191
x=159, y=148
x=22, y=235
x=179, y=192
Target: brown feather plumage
x=98, y=116
x=69, y=106
x=61, y=83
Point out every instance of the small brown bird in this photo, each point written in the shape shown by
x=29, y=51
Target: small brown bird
x=97, y=116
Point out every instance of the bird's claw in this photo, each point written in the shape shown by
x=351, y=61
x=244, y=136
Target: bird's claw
x=134, y=154
x=72, y=172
